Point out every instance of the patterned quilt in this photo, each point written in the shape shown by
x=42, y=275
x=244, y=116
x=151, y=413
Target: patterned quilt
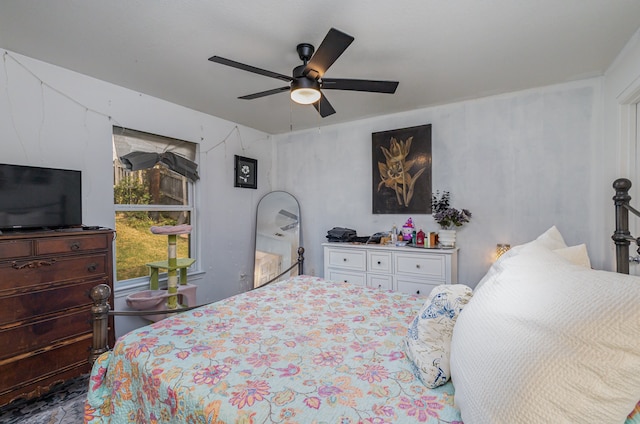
x=300, y=351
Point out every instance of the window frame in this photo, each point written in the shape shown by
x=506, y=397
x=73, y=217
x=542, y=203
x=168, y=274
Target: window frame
x=190, y=208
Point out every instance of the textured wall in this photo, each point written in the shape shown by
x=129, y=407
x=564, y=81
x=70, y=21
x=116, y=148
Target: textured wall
x=520, y=163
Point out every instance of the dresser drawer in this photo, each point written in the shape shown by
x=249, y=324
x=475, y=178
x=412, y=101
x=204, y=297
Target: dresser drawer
x=355, y=260
x=406, y=285
x=380, y=281
x=379, y=262
x=18, y=275
x=35, y=335
x=71, y=244
x=347, y=277
x=37, y=303
x=432, y=267
x=15, y=249
x=46, y=366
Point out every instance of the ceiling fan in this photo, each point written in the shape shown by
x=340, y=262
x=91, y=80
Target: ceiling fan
x=307, y=80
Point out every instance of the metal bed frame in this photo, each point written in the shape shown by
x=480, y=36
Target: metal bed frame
x=622, y=237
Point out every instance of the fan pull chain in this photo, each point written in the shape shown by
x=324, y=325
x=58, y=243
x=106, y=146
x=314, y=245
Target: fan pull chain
x=290, y=116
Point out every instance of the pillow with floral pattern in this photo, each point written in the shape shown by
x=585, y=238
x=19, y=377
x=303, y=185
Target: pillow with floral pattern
x=428, y=340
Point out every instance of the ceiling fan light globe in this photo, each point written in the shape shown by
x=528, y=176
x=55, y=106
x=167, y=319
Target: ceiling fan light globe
x=305, y=96
x=305, y=91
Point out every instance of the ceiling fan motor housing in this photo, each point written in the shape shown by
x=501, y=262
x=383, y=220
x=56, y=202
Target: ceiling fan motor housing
x=304, y=82
x=303, y=72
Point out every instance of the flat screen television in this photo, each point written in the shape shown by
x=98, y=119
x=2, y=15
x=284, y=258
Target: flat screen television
x=33, y=197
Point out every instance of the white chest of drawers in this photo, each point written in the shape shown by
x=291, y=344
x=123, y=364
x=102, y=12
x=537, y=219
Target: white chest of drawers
x=405, y=269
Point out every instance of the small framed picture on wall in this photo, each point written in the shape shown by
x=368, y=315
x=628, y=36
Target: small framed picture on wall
x=246, y=172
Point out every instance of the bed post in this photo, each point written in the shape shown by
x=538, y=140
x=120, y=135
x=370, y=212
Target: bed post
x=300, y=260
x=622, y=235
x=100, y=312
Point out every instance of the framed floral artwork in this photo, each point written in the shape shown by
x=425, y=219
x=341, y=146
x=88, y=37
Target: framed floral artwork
x=402, y=171
x=246, y=172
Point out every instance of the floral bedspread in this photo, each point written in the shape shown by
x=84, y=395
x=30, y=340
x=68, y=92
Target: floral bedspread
x=300, y=351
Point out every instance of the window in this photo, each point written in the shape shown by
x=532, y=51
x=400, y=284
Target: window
x=153, y=179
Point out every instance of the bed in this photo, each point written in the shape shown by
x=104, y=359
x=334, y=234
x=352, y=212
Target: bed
x=303, y=350
x=542, y=338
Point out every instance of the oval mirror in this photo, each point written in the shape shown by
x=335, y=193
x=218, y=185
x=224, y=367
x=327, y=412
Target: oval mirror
x=277, y=236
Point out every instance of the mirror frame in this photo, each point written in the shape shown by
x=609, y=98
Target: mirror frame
x=274, y=249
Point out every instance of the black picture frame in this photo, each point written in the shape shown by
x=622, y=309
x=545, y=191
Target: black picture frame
x=397, y=153
x=245, y=172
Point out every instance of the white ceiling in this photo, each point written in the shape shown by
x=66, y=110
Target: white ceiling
x=441, y=51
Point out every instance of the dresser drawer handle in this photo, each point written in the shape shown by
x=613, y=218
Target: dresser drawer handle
x=75, y=245
x=417, y=291
x=32, y=264
x=344, y=259
x=92, y=267
x=418, y=266
x=379, y=263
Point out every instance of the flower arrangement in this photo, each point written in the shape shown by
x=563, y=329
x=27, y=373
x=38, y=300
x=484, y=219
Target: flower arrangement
x=446, y=216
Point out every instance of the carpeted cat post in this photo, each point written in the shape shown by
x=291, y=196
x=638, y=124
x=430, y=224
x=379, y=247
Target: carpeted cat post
x=156, y=299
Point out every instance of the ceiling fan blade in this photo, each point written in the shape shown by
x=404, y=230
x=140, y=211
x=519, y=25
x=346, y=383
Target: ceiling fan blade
x=323, y=107
x=333, y=45
x=359, y=85
x=249, y=68
x=288, y=214
x=289, y=227
x=265, y=93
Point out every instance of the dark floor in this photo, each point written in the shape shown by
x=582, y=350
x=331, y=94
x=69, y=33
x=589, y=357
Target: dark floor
x=63, y=405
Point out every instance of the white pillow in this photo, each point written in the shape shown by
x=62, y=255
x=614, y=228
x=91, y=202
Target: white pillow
x=428, y=340
x=546, y=341
x=550, y=239
x=576, y=254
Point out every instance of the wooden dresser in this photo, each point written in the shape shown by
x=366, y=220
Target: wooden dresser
x=45, y=309
x=405, y=269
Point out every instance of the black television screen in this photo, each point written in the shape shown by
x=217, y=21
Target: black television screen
x=34, y=197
